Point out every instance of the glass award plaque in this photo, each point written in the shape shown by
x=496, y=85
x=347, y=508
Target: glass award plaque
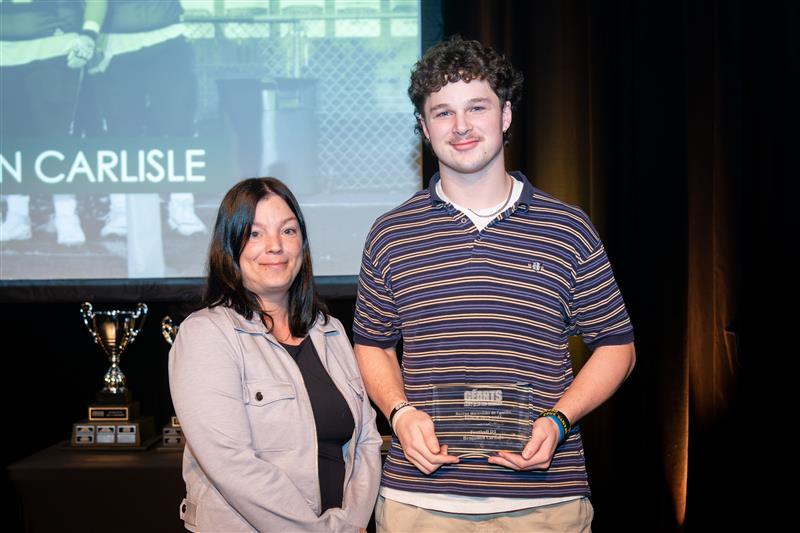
x=481, y=419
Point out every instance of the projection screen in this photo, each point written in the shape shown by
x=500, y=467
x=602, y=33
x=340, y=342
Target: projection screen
x=113, y=167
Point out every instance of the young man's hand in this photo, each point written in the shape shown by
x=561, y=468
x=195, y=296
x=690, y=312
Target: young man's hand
x=420, y=445
x=538, y=452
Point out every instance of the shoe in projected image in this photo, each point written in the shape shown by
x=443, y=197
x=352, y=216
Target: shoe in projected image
x=15, y=228
x=183, y=219
x=68, y=230
x=116, y=224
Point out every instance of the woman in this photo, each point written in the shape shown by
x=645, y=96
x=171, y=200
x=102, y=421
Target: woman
x=280, y=435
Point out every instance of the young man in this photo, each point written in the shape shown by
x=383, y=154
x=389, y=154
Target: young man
x=484, y=277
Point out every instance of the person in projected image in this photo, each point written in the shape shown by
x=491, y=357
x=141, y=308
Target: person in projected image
x=280, y=434
x=484, y=278
x=136, y=58
x=44, y=46
x=143, y=71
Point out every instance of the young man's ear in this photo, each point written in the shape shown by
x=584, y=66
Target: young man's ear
x=506, y=116
x=424, y=128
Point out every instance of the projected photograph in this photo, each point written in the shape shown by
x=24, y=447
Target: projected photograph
x=123, y=122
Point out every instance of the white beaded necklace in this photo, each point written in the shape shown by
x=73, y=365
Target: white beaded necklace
x=502, y=206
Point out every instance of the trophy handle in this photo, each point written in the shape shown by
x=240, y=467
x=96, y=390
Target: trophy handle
x=168, y=329
x=88, y=315
x=138, y=319
x=87, y=312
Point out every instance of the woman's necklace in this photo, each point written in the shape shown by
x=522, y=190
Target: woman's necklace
x=283, y=339
x=288, y=339
x=502, y=206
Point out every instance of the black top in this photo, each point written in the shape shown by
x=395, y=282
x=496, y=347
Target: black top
x=332, y=417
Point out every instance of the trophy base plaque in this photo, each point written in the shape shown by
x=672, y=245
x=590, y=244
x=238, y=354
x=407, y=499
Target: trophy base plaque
x=113, y=434
x=172, y=435
x=103, y=412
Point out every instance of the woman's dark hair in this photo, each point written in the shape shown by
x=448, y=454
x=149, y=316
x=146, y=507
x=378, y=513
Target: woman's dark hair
x=224, y=284
x=458, y=60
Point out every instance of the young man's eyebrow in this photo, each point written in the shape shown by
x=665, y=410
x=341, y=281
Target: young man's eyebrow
x=471, y=101
x=439, y=106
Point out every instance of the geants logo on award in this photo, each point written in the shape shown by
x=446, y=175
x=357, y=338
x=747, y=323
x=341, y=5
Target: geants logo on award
x=482, y=397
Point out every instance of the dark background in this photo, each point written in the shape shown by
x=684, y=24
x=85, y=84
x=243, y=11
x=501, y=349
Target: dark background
x=672, y=123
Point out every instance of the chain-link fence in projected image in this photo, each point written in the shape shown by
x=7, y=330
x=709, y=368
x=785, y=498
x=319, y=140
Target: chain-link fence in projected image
x=342, y=66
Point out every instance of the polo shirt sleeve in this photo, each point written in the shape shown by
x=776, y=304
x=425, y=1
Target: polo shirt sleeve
x=597, y=310
x=376, y=321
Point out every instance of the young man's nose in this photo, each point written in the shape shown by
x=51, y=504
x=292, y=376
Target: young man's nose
x=461, y=127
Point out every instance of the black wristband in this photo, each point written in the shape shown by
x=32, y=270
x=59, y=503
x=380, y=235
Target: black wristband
x=394, y=412
x=89, y=33
x=561, y=418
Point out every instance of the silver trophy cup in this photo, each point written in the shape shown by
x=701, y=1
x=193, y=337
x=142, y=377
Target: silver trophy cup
x=113, y=421
x=114, y=330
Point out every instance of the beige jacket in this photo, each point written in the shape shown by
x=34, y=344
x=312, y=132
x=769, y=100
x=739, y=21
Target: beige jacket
x=250, y=461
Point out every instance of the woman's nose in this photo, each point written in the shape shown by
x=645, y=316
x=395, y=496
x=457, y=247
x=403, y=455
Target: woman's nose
x=272, y=243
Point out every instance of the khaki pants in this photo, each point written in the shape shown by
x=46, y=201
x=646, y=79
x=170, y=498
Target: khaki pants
x=571, y=516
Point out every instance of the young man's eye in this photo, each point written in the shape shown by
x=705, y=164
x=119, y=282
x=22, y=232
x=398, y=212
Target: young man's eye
x=478, y=108
x=442, y=114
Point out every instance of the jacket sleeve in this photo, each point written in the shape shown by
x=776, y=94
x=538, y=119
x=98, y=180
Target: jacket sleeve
x=207, y=391
x=362, y=490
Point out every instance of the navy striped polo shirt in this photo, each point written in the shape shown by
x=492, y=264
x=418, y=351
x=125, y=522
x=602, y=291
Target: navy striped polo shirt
x=491, y=306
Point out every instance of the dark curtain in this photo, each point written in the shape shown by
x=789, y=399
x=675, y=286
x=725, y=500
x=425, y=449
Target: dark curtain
x=668, y=122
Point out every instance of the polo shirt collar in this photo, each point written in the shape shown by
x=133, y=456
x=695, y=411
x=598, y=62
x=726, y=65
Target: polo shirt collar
x=526, y=198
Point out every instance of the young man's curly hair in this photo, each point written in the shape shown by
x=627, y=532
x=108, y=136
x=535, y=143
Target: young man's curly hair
x=457, y=59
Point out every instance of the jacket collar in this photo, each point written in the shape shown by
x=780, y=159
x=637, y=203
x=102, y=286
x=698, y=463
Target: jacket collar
x=255, y=326
x=318, y=331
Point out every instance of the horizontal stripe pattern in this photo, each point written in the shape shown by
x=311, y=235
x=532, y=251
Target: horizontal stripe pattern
x=496, y=306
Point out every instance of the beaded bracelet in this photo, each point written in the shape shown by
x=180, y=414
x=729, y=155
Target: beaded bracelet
x=394, y=412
